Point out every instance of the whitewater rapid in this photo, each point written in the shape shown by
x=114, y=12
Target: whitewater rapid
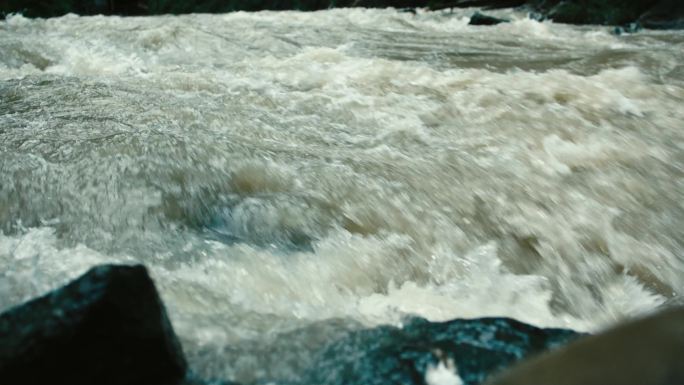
x=288, y=176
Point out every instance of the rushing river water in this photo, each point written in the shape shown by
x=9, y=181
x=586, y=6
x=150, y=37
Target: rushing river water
x=289, y=176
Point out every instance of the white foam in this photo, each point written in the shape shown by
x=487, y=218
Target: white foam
x=442, y=374
x=279, y=169
x=475, y=285
x=34, y=263
x=91, y=61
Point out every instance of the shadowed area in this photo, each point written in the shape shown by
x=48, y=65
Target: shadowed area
x=642, y=352
x=107, y=327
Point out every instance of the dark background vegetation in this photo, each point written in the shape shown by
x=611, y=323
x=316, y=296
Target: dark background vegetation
x=47, y=8
x=649, y=13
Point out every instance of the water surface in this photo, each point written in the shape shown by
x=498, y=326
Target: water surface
x=288, y=176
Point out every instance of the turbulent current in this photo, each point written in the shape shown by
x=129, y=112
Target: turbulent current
x=289, y=176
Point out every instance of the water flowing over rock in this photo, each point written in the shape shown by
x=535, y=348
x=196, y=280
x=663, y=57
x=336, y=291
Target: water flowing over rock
x=471, y=348
x=276, y=171
x=107, y=327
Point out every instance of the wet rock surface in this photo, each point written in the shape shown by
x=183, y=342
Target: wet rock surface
x=390, y=355
x=107, y=327
x=482, y=19
x=110, y=327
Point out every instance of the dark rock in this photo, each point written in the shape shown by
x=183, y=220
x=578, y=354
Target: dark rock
x=667, y=14
x=656, y=14
x=481, y=19
x=107, y=327
x=486, y=4
x=661, y=14
x=192, y=380
x=603, y=12
x=643, y=352
x=626, y=29
x=388, y=355
x=536, y=16
x=407, y=10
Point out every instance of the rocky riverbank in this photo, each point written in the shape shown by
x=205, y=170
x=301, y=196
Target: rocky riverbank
x=109, y=326
x=660, y=14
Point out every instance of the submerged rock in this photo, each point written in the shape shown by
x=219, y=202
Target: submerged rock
x=643, y=352
x=482, y=19
x=626, y=29
x=107, y=327
x=389, y=355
